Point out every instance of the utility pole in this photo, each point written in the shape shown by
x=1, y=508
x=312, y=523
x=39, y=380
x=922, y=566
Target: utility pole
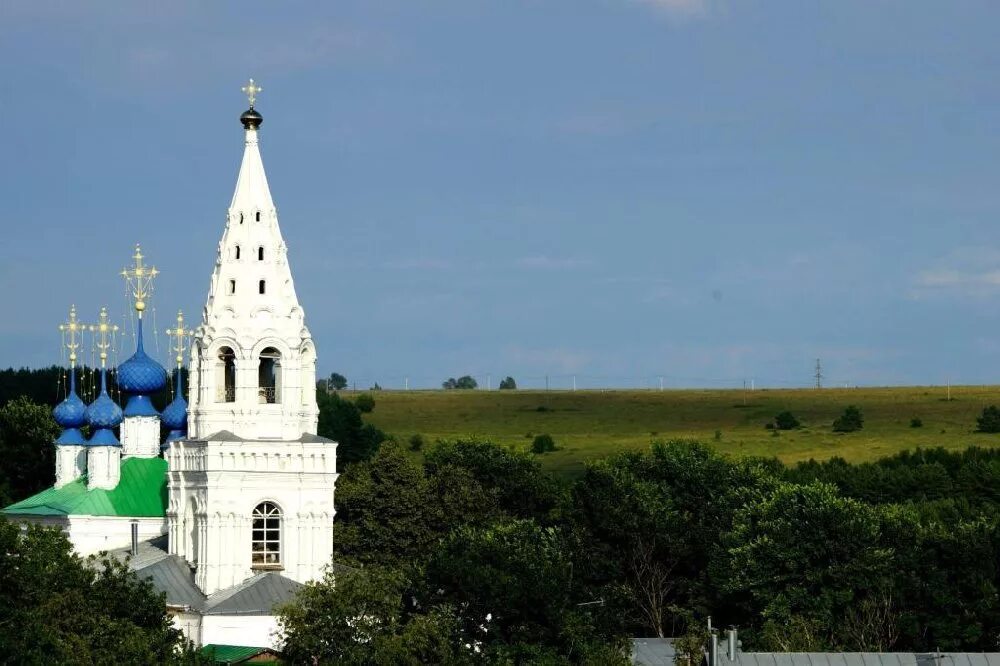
x=546, y=382
x=574, y=382
x=489, y=382
x=661, y=383
x=406, y=383
x=819, y=375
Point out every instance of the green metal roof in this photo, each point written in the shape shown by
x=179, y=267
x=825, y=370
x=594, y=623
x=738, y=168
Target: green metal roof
x=141, y=493
x=233, y=654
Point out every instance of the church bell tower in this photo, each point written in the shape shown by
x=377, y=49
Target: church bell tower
x=253, y=366
x=250, y=486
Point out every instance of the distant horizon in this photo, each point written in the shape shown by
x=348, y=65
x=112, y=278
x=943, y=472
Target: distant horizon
x=720, y=190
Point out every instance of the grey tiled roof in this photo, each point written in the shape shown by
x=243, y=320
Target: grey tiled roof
x=257, y=595
x=227, y=436
x=653, y=651
x=169, y=574
x=860, y=658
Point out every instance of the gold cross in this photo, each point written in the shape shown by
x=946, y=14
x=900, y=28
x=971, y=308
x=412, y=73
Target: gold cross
x=251, y=89
x=179, y=333
x=139, y=280
x=103, y=331
x=70, y=330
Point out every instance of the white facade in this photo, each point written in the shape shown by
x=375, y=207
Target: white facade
x=215, y=487
x=253, y=362
x=103, y=467
x=259, y=630
x=140, y=436
x=71, y=463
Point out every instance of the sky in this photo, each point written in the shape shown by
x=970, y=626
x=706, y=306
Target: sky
x=624, y=192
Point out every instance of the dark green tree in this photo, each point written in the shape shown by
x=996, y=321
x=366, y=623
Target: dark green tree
x=786, y=421
x=543, y=443
x=514, y=588
x=340, y=420
x=785, y=574
x=58, y=608
x=464, y=382
x=365, y=403
x=989, y=421
x=368, y=617
x=508, y=383
x=27, y=433
x=337, y=381
x=850, y=421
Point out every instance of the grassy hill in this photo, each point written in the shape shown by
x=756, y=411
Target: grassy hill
x=591, y=424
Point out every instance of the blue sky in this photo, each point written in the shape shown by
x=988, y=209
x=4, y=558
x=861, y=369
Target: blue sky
x=711, y=191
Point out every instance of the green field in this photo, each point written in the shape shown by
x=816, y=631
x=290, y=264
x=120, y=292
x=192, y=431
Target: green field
x=591, y=424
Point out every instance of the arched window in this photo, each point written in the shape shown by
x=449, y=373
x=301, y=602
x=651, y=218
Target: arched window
x=260, y=253
x=265, y=546
x=236, y=252
x=261, y=287
x=269, y=377
x=225, y=376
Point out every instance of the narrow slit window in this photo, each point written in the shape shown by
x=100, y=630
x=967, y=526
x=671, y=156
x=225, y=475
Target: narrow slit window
x=261, y=287
x=260, y=253
x=258, y=216
x=241, y=218
x=232, y=287
x=237, y=252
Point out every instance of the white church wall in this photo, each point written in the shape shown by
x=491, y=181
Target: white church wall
x=189, y=623
x=249, y=630
x=92, y=534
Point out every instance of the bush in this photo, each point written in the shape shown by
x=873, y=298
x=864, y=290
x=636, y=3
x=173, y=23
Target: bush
x=416, y=442
x=990, y=420
x=849, y=421
x=543, y=444
x=915, y=422
x=365, y=403
x=786, y=421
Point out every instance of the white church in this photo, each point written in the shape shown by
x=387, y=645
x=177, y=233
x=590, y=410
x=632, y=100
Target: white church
x=233, y=510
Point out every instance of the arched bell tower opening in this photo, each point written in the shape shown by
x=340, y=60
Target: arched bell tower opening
x=269, y=376
x=225, y=375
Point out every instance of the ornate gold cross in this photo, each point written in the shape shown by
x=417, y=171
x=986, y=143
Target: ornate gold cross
x=103, y=332
x=180, y=334
x=251, y=89
x=139, y=280
x=70, y=330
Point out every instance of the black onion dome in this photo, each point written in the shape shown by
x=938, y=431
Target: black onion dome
x=251, y=119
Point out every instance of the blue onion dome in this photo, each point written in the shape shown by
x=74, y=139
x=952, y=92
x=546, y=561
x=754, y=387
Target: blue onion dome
x=175, y=414
x=103, y=415
x=141, y=376
x=71, y=414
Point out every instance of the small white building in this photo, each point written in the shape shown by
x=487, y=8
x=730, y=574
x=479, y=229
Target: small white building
x=231, y=517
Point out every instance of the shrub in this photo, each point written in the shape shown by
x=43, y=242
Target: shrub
x=850, y=420
x=915, y=422
x=416, y=442
x=543, y=444
x=718, y=435
x=786, y=421
x=990, y=420
x=365, y=403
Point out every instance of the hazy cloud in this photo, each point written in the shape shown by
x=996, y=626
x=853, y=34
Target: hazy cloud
x=545, y=262
x=679, y=8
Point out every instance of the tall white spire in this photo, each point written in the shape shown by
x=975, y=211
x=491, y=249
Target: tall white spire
x=253, y=364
